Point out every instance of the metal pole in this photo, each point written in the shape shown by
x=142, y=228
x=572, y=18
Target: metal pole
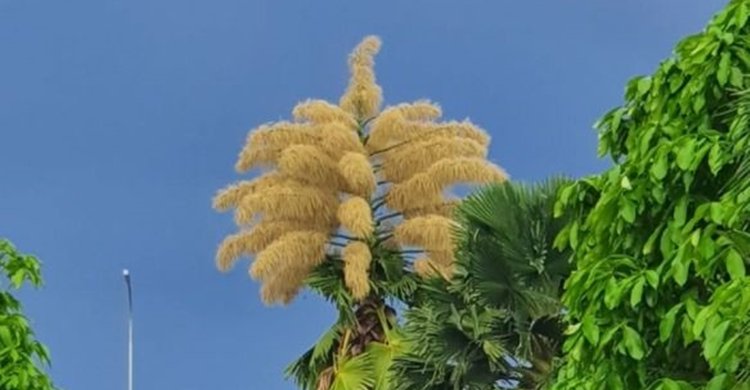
x=126, y=275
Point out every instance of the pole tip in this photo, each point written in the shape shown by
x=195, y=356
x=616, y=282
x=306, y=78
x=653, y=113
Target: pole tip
x=125, y=272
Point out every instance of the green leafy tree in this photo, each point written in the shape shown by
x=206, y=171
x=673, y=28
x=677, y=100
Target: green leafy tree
x=21, y=355
x=660, y=297
x=497, y=323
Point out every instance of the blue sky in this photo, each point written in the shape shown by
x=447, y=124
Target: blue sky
x=120, y=119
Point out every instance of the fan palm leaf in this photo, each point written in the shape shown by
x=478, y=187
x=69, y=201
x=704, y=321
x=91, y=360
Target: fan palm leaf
x=496, y=323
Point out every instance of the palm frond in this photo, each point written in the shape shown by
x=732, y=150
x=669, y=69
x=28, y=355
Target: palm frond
x=496, y=323
x=507, y=251
x=354, y=373
x=305, y=371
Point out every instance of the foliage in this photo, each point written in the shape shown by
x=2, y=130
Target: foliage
x=660, y=297
x=497, y=322
x=21, y=355
x=348, y=198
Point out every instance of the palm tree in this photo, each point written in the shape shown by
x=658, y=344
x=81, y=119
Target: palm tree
x=352, y=204
x=497, y=323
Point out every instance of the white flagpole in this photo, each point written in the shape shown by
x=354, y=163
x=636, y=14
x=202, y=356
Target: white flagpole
x=126, y=275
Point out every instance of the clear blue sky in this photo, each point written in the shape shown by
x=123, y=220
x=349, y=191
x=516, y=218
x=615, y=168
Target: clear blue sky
x=119, y=120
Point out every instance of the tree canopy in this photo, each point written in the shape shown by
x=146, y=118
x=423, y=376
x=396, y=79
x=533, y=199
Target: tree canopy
x=659, y=297
x=22, y=356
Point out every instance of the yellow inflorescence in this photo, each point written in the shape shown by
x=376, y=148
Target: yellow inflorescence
x=321, y=112
x=417, y=156
x=308, y=163
x=302, y=250
x=296, y=202
x=338, y=166
x=357, y=258
x=389, y=127
x=432, y=232
x=357, y=172
x=363, y=97
x=422, y=189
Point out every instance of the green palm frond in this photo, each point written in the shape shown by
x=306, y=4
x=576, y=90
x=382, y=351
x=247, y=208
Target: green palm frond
x=507, y=249
x=496, y=324
x=354, y=373
x=307, y=368
x=328, y=281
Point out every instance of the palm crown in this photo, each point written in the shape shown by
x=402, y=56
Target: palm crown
x=348, y=182
x=352, y=203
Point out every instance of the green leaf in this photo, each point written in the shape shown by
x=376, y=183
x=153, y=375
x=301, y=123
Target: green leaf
x=660, y=166
x=625, y=183
x=695, y=237
x=680, y=271
x=718, y=383
x=648, y=247
x=736, y=78
x=668, y=384
x=616, y=119
x=735, y=264
x=637, y=292
x=714, y=339
x=6, y=339
x=715, y=159
x=699, y=101
x=633, y=343
x=667, y=323
x=627, y=212
x=680, y=212
x=716, y=211
x=590, y=330
x=741, y=15
x=700, y=320
x=574, y=235
x=572, y=329
x=607, y=337
x=17, y=278
x=644, y=84
x=612, y=294
x=652, y=277
x=741, y=240
x=685, y=154
x=722, y=74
